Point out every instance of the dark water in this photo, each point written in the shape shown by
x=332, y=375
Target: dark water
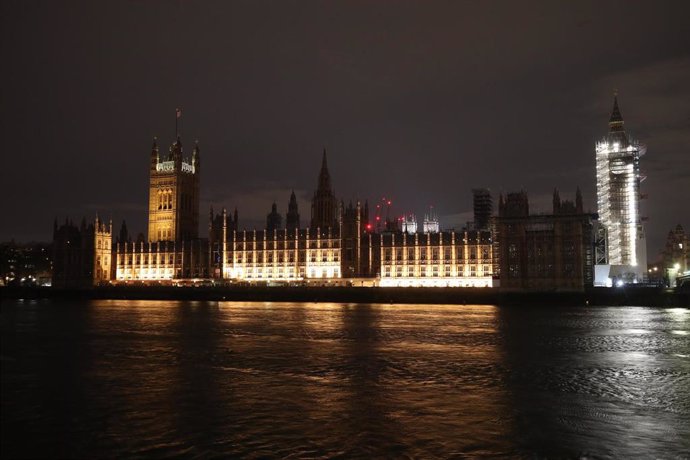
x=208, y=379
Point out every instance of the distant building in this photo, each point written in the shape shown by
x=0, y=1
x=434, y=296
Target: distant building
x=676, y=255
x=82, y=256
x=618, y=201
x=544, y=252
x=274, y=221
x=483, y=208
x=28, y=264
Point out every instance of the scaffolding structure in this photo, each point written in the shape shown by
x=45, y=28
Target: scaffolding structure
x=618, y=197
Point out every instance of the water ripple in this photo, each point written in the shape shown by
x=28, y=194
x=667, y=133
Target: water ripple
x=112, y=379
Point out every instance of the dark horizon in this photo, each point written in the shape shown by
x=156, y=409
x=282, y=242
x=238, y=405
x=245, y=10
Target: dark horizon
x=415, y=101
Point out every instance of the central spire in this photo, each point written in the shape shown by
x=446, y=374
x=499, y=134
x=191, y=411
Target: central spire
x=324, y=175
x=324, y=206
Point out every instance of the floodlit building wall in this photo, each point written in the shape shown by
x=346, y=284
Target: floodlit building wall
x=261, y=256
x=445, y=259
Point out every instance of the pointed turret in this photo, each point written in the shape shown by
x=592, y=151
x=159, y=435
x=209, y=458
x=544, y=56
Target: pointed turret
x=292, y=216
x=196, y=155
x=616, y=119
x=175, y=151
x=578, y=201
x=155, y=154
x=273, y=220
x=556, y=201
x=324, y=175
x=124, y=234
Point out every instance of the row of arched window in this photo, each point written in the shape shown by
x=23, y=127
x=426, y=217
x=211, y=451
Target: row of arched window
x=165, y=234
x=165, y=200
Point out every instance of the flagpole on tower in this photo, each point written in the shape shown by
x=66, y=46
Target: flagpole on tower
x=178, y=115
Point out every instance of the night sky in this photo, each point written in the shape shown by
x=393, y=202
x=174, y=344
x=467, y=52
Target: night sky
x=417, y=101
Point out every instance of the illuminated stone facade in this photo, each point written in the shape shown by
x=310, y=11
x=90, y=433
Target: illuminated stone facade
x=339, y=247
x=174, y=194
x=281, y=255
x=103, y=251
x=173, y=250
x=618, y=199
x=443, y=259
x=162, y=261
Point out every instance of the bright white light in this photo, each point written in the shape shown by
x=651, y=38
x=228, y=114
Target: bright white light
x=619, y=283
x=617, y=172
x=437, y=281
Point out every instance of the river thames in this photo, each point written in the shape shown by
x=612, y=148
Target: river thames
x=154, y=379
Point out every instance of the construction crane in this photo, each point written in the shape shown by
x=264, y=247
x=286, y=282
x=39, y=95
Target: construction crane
x=381, y=222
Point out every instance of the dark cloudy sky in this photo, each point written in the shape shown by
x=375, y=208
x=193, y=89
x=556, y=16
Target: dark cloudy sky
x=420, y=101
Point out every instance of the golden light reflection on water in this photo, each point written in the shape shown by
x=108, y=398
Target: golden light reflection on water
x=319, y=380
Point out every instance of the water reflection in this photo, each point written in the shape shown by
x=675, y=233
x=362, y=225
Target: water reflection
x=587, y=382
x=365, y=405
x=207, y=379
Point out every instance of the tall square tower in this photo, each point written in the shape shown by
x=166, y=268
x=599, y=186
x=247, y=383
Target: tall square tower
x=173, y=194
x=618, y=199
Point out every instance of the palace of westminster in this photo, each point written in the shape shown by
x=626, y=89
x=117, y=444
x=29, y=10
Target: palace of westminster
x=342, y=245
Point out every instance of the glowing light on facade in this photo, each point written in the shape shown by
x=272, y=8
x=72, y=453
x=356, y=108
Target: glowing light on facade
x=147, y=262
x=445, y=259
x=431, y=224
x=266, y=256
x=409, y=224
x=618, y=193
